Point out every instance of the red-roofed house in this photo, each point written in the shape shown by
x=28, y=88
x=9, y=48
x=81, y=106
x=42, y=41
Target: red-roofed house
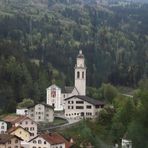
x=23, y=121
x=51, y=140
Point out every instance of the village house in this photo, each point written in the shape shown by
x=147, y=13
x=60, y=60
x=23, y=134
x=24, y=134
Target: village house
x=49, y=140
x=19, y=132
x=56, y=95
x=23, y=121
x=22, y=111
x=78, y=107
x=41, y=113
x=9, y=141
x=3, y=127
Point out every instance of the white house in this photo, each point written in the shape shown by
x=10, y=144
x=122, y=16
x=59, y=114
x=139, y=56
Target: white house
x=78, y=107
x=22, y=111
x=56, y=95
x=3, y=127
x=41, y=113
x=126, y=143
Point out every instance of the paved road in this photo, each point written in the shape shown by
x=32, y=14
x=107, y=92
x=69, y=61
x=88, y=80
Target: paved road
x=127, y=95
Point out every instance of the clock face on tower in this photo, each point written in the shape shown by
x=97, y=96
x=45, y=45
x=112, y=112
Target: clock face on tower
x=53, y=92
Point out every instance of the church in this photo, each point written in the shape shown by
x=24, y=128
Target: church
x=56, y=95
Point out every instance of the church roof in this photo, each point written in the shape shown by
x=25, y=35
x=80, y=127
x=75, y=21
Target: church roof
x=68, y=89
x=87, y=99
x=53, y=86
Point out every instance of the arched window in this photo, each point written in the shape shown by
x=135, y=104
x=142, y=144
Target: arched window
x=83, y=74
x=78, y=74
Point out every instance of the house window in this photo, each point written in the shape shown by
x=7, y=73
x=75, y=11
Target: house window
x=2, y=132
x=2, y=127
x=39, y=117
x=33, y=147
x=31, y=134
x=44, y=142
x=71, y=102
x=39, y=142
x=26, y=122
x=31, y=128
x=79, y=102
x=26, y=128
x=68, y=102
x=16, y=141
x=68, y=107
x=79, y=107
x=60, y=146
x=78, y=74
x=9, y=142
x=16, y=146
x=34, y=141
x=88, y=106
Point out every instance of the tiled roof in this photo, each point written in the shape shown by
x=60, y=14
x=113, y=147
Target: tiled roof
x=54, y=138
x=10, y=130
x=87, y=99
x=67, y=89
x=15, y=119
x=6, y=137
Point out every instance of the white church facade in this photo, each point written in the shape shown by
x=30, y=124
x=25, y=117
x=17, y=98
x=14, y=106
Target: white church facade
x=55, y=95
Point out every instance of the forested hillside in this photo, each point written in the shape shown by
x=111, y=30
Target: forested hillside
x=39, y=41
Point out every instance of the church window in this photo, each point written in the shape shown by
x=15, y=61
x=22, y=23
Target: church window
x=83, y=74
x=78, y=74
x=53, y=93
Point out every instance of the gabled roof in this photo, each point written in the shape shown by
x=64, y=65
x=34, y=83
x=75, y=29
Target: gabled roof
x=53, y=139
x=46, y=105
x=87, y=99
x=67, y=89
x=12, y=129
x=53, y=86
x=15, y=119
x=4, y=138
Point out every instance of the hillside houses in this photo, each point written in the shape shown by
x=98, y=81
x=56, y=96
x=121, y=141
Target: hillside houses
x=23, y=121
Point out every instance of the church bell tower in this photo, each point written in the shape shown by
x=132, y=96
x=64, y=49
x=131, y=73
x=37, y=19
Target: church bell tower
x=80, y=74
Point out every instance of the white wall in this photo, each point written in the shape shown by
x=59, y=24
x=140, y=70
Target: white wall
x=72, y=112
x=3, y=127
